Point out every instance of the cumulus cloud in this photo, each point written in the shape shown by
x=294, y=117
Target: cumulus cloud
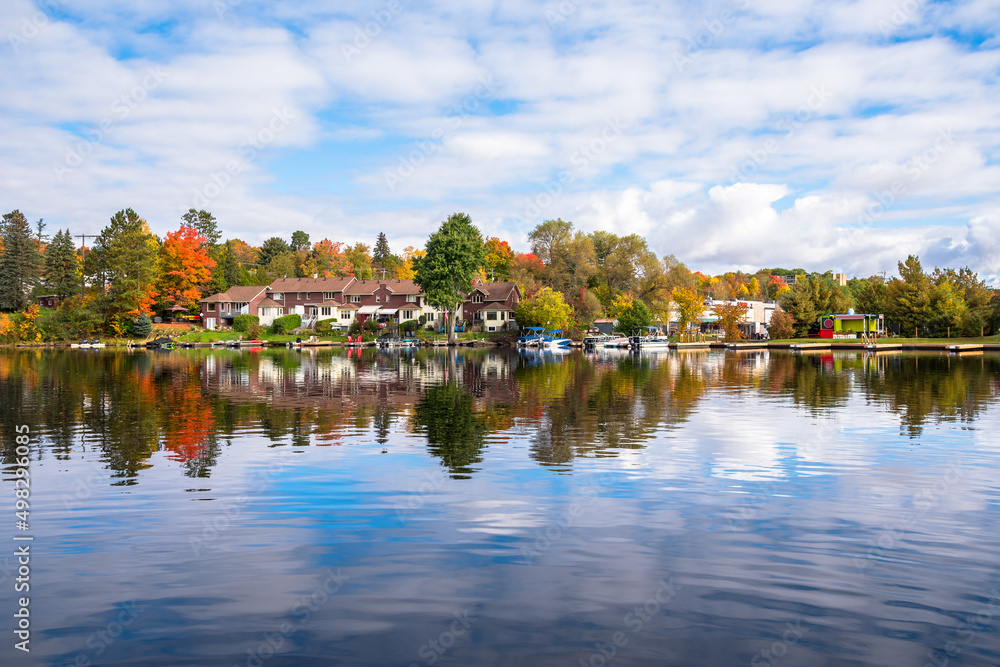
x=826, y=135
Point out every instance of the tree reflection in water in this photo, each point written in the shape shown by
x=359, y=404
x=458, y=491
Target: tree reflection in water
x=190, y=404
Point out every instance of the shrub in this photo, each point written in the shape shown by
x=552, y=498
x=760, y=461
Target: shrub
x=255, y=331
x=355, y=328
x=409, y=326
x=142, y=326
x=285, y=324
x=422, y=320
x=242, y=323
x=325, y=327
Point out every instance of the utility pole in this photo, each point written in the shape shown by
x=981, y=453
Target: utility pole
x=83, y=257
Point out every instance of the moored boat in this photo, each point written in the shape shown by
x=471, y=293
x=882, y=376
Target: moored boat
x=647, y=338
x=555, y=338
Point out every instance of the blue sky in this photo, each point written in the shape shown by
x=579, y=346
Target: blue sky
x=824, y=134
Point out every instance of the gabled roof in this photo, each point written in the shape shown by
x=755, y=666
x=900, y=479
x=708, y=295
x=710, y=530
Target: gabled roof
x=333, y=284
x=269, y=303
x=238, y=294
x=499, y=291
x=361, y=287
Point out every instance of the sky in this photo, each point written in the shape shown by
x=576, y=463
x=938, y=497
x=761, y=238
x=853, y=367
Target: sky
x=821, y=134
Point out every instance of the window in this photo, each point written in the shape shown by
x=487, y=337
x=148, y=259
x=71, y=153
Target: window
x=346, y=314
x=378, y=299
x=211, y=307
x=503, y=315
x=329, y=296
x=491, y=315
x=355, y=298
x=276, y=296
x=477, y=298
x=312, y=312
x=309, y=295
x=325, y=311
x=407, y=314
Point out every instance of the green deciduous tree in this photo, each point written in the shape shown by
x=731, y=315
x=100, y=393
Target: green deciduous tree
x=808, y=299
x=20, y=263
x=908, y=298
x=62, y=266
x=455, y=254
x=569, y=259
x=300, y=241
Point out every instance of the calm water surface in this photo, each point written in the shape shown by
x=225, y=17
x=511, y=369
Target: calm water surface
x=212, y=507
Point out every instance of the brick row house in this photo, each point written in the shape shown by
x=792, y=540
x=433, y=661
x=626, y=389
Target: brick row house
x=344, y=300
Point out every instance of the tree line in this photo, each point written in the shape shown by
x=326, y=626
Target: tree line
x=568, y=279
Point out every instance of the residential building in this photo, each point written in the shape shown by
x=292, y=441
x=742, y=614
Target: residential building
x=219, y=309
x=345, y=300
x=49, y=301
x=491, y=305
x=758, y=316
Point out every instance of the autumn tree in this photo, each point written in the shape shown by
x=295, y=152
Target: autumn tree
x=20, y=262
x=359, y=261
x=185, y=266
x=689, y=307
x=569, y=259
x=455, y=253
x=499, y=259
x=526, y=270
x=62, y=266
x=546, y=308
x=405, y=269
x=731, y=315
x=125, y=260
x=781, y=326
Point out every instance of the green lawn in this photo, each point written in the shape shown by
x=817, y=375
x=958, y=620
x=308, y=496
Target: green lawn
x=894, y=340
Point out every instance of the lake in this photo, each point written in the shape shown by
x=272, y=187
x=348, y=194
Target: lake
x=491, y=507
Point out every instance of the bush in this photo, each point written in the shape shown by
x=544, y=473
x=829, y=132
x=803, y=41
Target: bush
x=255, y=331
x=325, y=327
x=285, y=324
x=242, y=323
x=422, y=320
x=142, y=326
x=409, y=326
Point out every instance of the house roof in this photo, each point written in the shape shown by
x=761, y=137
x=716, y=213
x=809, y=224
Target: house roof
x=333, y=284
x=359, y=287
x=499, y=291
x=237, y=293
x=348, y=306
x=269, y=303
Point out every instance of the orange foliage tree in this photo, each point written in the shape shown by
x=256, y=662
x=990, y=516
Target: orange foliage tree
x=185, y=267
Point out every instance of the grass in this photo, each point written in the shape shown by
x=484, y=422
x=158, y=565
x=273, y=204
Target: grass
x=895, y=340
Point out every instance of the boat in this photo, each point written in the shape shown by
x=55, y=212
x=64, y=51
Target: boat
x=555, y=338
x=95, y=343
x=161, y=343
x=392, y=339
x=601, y=340
x=647, y=338
x=532, y=337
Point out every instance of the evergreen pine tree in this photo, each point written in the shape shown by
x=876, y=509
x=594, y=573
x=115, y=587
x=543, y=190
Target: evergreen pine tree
x=20, y=262
x=62, y=266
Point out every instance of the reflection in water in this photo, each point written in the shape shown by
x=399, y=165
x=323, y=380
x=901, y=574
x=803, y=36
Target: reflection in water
x=191, y=403
x=848, y=497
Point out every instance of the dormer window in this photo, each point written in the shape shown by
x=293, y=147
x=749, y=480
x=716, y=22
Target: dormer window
x=276, y=296
x=477, y=298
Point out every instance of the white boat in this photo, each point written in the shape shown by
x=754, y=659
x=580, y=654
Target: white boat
x=647, y=338
x=533, y=337
x=618, y=341
x=555, y=339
